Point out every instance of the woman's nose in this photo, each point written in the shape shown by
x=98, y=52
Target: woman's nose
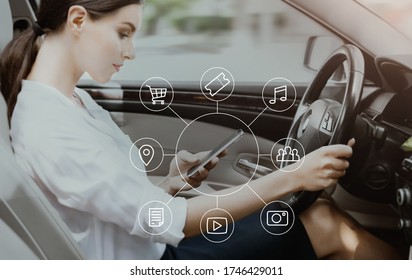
x=129, y=52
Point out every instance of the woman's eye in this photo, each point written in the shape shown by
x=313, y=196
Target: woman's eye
x=123, y=35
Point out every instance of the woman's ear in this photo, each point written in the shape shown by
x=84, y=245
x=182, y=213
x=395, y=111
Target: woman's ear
x=76, y=18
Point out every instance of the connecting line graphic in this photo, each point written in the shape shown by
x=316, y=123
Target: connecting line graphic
x=217, y=202
x=217, y=107
x=257, y=117
x=178, y=116
x=173, y=196
x=256, y=194
x=169, y=155
x=265, y=155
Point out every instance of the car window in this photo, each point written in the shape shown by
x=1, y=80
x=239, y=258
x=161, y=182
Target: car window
x=254, y=40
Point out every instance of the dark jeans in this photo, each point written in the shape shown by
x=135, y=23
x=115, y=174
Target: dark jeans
x=249, y=241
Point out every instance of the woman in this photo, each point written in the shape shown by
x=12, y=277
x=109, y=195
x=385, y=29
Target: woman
x=79, y=157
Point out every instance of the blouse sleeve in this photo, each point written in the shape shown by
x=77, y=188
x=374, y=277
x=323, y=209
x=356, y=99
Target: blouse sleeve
x=98, y=178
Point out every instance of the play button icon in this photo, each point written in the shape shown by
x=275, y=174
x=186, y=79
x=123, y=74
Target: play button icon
x=217, y=225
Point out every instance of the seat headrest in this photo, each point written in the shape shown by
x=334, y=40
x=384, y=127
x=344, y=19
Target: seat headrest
x=6, y=35
x=6, y=24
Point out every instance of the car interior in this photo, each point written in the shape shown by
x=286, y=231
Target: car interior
x=30, y=227
x=372, y=91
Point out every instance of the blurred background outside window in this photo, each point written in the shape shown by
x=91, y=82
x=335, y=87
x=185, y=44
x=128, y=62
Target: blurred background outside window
x=255, y=40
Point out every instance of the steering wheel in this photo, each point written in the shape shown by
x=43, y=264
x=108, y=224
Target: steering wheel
x=318, y=121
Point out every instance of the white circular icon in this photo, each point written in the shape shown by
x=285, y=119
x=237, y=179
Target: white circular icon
x=156, y=94
x=155, y=218
x=279, y=94
x=287, y=151
x=277, y=217
x=146, y=154
x=217, y=225
x=217, y=84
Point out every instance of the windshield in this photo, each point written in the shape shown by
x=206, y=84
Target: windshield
x=253, y=40
x=397, y=13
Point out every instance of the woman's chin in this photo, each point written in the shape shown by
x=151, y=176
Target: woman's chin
x=102, y=80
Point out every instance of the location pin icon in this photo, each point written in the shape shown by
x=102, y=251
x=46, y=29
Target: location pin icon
x=146, y=153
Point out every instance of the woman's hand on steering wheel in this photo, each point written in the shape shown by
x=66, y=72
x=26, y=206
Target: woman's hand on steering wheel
x=323, y=167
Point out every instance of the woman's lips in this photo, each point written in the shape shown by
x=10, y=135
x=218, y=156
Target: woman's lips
x=117, y=67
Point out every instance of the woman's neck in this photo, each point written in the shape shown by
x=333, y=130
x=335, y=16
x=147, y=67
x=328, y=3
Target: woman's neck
x=55, y=66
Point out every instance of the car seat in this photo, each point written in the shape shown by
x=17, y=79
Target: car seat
x=30, y=228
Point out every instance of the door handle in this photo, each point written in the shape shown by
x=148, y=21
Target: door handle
x=250, y=166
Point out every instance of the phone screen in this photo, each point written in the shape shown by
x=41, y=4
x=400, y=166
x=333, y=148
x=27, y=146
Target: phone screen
x=216, y=151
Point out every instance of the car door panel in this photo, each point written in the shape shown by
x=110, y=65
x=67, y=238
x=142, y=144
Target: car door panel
x=246, y=104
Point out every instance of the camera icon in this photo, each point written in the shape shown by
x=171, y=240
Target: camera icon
x=277, y=218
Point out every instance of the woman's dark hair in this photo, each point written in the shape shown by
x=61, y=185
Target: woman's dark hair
x=19, y=55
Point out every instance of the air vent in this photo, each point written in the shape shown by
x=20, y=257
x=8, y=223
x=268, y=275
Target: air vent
x=377, y=177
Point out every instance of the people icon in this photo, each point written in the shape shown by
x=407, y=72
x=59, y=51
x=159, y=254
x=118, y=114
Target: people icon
x=288, y=155
x=295, y=155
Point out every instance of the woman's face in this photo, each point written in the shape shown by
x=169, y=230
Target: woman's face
x=105, y=44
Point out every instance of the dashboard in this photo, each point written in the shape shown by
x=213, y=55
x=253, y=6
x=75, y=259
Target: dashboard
x=381, y=168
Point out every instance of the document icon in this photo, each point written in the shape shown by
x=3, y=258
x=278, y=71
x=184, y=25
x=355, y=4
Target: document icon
x=217, y=84
x=156, y=217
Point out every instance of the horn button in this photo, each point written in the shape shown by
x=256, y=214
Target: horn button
x=318, y=123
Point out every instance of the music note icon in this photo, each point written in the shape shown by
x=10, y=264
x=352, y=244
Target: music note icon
x=279, y=90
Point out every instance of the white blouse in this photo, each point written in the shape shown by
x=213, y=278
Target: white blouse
x=80, y=159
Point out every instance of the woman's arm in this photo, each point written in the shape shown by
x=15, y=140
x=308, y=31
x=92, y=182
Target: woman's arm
x=320, y=169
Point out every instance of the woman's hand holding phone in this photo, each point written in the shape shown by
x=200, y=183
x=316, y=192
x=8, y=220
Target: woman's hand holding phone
x=225, y=144
x=183, y=161
x=195, y=167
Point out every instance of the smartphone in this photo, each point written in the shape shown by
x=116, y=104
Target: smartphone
x=215, y=152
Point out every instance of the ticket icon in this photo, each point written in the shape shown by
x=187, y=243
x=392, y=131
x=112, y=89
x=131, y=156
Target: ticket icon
x=217, y=84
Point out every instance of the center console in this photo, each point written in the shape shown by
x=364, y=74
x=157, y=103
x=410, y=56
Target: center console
x=404, y=199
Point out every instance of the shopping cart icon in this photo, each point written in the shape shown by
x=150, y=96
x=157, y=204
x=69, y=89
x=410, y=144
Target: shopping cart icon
x=158, y=95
